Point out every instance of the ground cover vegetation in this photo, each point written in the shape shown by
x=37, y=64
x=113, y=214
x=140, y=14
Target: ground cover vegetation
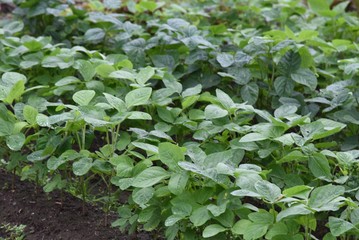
x=218, y=119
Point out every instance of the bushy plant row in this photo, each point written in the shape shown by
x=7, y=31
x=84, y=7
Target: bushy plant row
x=221, y=120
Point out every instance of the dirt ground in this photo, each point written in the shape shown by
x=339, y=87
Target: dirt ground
x=46, y=219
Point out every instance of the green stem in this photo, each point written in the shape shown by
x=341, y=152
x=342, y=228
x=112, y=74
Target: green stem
x=83, y=137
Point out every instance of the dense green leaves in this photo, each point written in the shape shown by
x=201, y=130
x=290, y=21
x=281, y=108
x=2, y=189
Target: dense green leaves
x=214, y=130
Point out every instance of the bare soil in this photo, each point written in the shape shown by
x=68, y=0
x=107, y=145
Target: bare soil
x=45, y=218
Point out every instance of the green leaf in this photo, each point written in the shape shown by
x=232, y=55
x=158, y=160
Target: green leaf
x=67, y=81
x=122, y=74
x=321, y=197
x=240, y=227
x=83, y=97
x=138, y=97
x=30, y=114
x=224, y=99
x=255, y=231
x=82, y=166
x=253, y=137
x=283, y=86
x=319, y=166
x=269, y=191
x=200, y=216
x=105, y=70
x=124, y=165
x=250, y=92
x=321, y=7
x=15, y=92
x=214, y=111
x=94, y=35
x=320, y=129
x=305, y=77
x=225, y=59
x=87, y=70
x=170, y=155
x=143, y=195
x=144, y=75
x=289, y=63
x=262, y=217
x=173, y=219
x=55, y=182
x=139, y=115
x=293, y=211
x=116, y=102
x=212, y=230
x=301, y=191
x=150, y=177
x=147, y=147
x=15, y=142
x=178, y=182
x=37, y=156
x=278, y=228
x=339, y=226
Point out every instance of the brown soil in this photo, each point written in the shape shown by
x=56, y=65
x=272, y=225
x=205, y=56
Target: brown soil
x=45, y=218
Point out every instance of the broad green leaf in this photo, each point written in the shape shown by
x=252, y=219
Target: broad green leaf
x=105, y=70
x=319, y=166
x=94, y=35
x=115, y=102
x=178, y=182
x=278, y=228
x=255, y=231
x=294, y=156
x=217, y=210
x=124, y=165
x=285, y=110
x=87, y=70
x=262, y=217
x=122, y=74
x=37, y=156
x=173, y=219
x=305, y=77
x=16, y=141
x=143, y=195
x=250, y=92
x=82, y=166
x=15, y=92
x=214, y=111
x=170, y=155
x=224, y=99
x=269, y=191
x=240, y=227
x=293, y=211
x=144, y=75
x=321, y=7
x=83, y=97
x=283, y=86
x=55, y=182
x=339, y=226
x=289, y=63
x=150, y=177
x=253, y=137
x=225, y=59
x=301, y=191
x=139, y=115
x=200, y=216
x=212, y=230
x=147, y=147
x=192, y=91
x=67, y=81
x=30, y=114
x=321, y=197
x=138, y=97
